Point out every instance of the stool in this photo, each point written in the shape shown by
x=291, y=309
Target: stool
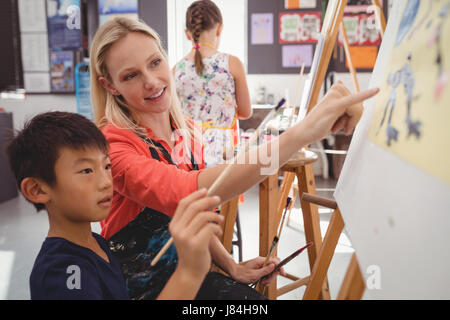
x=272, y=202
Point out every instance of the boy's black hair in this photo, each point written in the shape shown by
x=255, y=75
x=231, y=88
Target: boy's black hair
x=35, y=149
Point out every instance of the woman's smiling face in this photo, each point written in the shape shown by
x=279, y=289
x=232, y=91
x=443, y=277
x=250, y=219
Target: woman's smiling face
x=139, y=73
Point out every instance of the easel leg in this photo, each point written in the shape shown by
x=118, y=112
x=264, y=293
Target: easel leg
x=229, y=211
x=268, y=202
x=353, y=285
x=319, y=271
x=311, y=220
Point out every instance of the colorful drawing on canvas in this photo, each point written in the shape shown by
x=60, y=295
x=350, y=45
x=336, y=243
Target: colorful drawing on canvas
x=412, y=111
x=299, y=27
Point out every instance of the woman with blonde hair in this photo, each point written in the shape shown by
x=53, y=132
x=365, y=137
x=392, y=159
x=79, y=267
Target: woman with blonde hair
x=157, y=160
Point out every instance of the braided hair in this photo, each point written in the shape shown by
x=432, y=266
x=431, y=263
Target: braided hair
x=201, y=16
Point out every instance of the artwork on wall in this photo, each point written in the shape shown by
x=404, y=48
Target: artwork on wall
x=300, y=4
x=276, y=25
x=112, y=8
x=262, y=28
x=64, y=24
x=361, y=30
x=293, y=56
x=360, y=22
x=62, y=71
x=299, y=27
x=363, y=57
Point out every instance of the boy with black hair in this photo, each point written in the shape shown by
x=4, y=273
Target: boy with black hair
x=61, y=164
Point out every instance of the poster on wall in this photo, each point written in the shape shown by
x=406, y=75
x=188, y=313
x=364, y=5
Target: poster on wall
x=35, y=43
x=109, y=9
x=293, y=56
x=32, y=16
x=262, y=28
x=64, y=24
x=364, y=38
x=361, y=30
x=358, y=6
x=62, y=71
x=300, y=4
x=363, y=57
x=299, y=27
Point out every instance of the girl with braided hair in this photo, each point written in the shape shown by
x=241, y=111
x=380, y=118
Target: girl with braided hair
x=211, y=85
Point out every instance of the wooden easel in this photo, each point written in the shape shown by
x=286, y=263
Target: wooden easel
x=353, y=286
x=316, y=284
x=273, y=201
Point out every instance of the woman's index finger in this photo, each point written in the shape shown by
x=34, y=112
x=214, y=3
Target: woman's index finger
x=356, y=98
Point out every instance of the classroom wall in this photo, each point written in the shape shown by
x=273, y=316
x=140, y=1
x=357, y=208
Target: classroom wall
x=274, y=83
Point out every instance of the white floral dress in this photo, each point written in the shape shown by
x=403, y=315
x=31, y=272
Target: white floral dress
x=210, y=101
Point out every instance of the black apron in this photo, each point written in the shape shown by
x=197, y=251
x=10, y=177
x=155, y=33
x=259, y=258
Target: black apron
x=135, y=246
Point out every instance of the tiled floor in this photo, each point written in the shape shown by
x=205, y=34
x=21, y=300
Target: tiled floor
x=22, y=231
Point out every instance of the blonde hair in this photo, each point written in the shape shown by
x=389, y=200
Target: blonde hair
x=113, y=109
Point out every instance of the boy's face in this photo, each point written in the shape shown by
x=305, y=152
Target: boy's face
x=83, y=190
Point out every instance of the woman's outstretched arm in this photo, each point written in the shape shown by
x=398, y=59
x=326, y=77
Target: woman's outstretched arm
x=338, y=110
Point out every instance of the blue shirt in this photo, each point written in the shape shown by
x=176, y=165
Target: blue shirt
x=65, y=270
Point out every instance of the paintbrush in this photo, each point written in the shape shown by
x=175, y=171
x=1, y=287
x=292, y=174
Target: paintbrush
x=288, y=202
x=282, y=263
x=225, y=172
x=276, y=238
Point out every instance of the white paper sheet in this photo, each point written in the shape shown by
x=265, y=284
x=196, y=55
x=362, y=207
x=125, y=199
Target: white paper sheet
x=35, y=52
x=396, y=215
x=32, y=16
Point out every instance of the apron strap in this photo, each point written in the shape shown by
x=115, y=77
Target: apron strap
x=155, y=155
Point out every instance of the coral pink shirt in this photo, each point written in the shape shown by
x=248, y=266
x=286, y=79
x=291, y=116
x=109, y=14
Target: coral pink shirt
x=141, y=181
